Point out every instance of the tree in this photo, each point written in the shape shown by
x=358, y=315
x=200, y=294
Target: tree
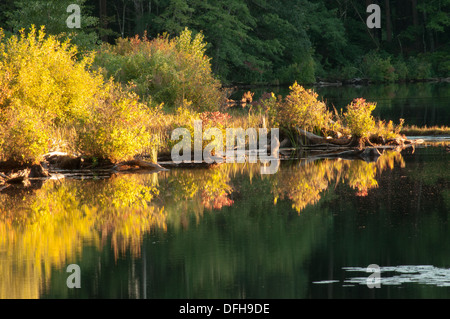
x=53, y=15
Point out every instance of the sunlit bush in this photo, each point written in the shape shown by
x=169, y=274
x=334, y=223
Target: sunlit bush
x=40, y=72
x=46, y=90
x=388, y=130
x=359, y=117
x=170, y=70
x=301, y=109
x=118, y=127
x=43, y=87
x=23, y=137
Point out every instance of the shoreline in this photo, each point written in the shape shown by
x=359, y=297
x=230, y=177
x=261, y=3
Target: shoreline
x=321, y=82
x=26, y=175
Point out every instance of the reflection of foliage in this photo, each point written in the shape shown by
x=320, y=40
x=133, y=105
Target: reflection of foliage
x=304, y=184
x=216, y=190
x=361, y=176
x=211, y=185
x=45, y=228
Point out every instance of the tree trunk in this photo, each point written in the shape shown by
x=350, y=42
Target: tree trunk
x=103, y=18
x=415, y=16
x=388, y=22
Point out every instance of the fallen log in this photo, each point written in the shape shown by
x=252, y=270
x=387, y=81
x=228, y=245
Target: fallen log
x=316, y=140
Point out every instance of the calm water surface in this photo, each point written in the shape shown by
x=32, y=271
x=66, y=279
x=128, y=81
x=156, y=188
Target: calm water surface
x=309, y=231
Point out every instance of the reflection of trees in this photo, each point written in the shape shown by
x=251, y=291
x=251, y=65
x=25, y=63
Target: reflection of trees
x=304, y=183
x=45, y=228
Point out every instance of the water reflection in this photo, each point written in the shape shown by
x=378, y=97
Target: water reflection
x=304, y=182
x=44, y=228
x=47, y=226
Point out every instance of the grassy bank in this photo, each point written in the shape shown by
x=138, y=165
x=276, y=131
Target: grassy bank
x=425, y=131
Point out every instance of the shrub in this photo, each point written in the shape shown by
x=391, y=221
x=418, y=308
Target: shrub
x=43, y=87
x=23, y=138
x=118, y=127
x=401, y=69
x=170, y=70
x=441, y=62
x=46, y=92
x=418, y=68
x=42, y=73
x=388, y=130
x=301, y=109
x=378, y=69
x=359, y=117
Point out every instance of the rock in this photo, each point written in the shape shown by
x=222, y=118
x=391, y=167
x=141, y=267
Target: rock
x=67, y=162
x=377, y=139
x=370, y=154
x=37, y=171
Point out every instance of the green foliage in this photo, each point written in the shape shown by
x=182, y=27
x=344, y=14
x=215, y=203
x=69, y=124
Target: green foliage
x=418, y=68
x=170, y=71
x=440, y=62
x=53, y=15
x=359, y=117
x=401, y=69
x=378, y=69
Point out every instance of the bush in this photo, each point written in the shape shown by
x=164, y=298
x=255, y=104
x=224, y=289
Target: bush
x=388, y=130
x=301, y=109
x=118, y=127
x=401, y=69
x=170, y=70
x=359, y=117
x=47, y=92
x=418, y=69
x=42, y=73
x=23, y=138
x=43, y=87
x=378, y=69
x=440, y=61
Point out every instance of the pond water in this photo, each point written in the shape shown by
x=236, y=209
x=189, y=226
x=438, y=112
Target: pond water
x=308, y=231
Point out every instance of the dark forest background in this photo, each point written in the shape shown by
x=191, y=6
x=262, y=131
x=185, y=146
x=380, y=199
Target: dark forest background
x=269, y=41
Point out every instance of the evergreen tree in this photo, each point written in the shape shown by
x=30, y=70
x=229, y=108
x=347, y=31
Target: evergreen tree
x=53, y=15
